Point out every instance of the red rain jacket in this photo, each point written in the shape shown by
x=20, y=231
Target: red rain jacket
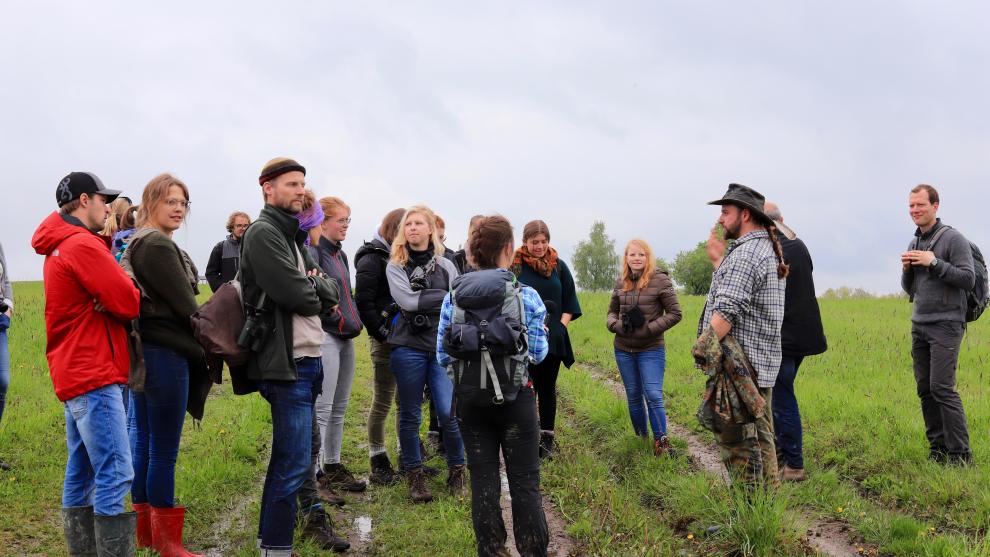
x=87, y=349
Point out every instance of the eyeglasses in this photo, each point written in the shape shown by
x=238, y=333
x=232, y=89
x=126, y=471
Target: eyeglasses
x=344, y=221
x=173, y=203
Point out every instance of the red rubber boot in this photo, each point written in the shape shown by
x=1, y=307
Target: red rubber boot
x=166, y=531
x=144, y=537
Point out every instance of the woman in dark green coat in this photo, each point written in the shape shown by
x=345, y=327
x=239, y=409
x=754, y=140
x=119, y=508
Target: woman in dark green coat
x=537, y=266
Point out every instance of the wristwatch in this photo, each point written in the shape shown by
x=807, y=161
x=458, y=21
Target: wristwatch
x=934, y=263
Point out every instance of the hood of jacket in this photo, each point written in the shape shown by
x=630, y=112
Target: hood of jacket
x=377, y=246
x=57, y=228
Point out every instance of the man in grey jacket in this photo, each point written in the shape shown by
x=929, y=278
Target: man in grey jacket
x=937, y=273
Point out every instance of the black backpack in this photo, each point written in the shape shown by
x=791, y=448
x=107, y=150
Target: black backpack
x=977, y=297
x=487, y=338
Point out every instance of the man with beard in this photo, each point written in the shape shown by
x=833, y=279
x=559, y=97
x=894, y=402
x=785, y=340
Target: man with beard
x=285, y=294
x=747, y=299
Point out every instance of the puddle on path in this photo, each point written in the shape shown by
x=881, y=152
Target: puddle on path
x=363, y=526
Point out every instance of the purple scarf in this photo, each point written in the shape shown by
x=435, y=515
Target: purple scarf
x=310, y=219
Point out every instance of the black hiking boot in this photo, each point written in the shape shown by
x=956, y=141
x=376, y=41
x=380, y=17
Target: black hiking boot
x=318, y=527
x=418, y=490
x=938, y=454
x=341, y=478
x=548, y=444
x=959, y=459
x=381, y=471
x=326, y=492
x=115, y=535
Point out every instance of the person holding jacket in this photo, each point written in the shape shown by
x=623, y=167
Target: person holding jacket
x=643, y=306
x=176, y=379
x=511, y=428
x=225, y=258
x=376, y=308
x=6, y=311
x=536, y=264
x=285, y=294
x=419, y=277
x=88, y=300
x=340, y=327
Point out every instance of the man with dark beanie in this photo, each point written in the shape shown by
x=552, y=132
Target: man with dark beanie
x=286, y=294
x=88, y=299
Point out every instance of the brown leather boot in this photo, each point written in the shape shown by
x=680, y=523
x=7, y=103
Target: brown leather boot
x=788, y=474
x=418, y=490
x=661, y=447
x=457, y=481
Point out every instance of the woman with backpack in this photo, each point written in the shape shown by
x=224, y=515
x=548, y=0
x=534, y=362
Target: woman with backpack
x=536, y=265
x=174, y=362
x=501, y=421
x=643, y=306
x=419, y=277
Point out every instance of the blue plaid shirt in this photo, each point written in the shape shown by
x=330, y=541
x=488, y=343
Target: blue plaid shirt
x=747, y=293
x=534, y=312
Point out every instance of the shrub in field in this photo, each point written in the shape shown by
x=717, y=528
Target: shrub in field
x=693, y=270
x=596, y=264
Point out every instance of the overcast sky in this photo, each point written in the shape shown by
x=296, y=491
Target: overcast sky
x=635, y=113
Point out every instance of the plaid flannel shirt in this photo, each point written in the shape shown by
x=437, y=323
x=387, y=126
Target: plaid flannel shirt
x=747, y=293
x=535, y=314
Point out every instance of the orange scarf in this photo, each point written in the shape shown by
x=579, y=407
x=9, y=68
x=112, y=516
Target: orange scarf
x=543, y=266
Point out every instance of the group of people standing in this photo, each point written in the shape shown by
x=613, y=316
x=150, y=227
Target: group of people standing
x=481, y=330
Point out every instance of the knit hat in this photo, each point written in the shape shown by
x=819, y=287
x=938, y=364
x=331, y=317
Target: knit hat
x=277, y=167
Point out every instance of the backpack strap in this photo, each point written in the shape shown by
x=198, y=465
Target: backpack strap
x=486, y=362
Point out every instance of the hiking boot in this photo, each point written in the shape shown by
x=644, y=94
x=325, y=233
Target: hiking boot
x=788, y=474
x=4, y=465
x=662, y=447
x=938, y=454
x=318, y=527
x=115, y=535
x=417, y=486
x=434, y=442
x=548, y=444
x=959, y=459
x=80, y=537
x=430, y=471
x=381, y=471
x=326, y=492
x=341, y=478
x=457, y=481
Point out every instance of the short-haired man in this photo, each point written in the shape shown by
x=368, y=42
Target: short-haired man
x=280, y=278
x=746, y=299
x=937, y=273
x=801, y=335
x=225, y=258
x=88, y=299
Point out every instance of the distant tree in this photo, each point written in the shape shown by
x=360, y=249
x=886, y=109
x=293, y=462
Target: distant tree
x=596, y=264
x=693, y=270
x=663, y=265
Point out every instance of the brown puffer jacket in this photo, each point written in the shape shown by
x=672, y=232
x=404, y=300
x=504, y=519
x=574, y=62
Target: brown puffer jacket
x=658, y=302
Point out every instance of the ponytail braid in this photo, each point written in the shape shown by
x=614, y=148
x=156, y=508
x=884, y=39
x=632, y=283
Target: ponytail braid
x=783, y=269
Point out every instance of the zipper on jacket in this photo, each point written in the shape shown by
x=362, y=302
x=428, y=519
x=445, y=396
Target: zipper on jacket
x=106, y=327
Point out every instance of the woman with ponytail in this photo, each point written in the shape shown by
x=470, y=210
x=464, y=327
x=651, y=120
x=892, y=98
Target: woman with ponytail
x=536, y=265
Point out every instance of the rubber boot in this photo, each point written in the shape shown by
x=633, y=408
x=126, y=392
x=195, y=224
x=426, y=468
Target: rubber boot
x=318, y=527
x=381, y=471
x=80, y=537
x=418, y=490
x=166, y=531
x=115, y=535
x=143, y=511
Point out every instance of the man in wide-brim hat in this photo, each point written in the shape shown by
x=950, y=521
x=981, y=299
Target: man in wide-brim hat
x=746, y=299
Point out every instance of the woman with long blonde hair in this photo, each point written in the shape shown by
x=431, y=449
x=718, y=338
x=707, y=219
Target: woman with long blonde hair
x=117, y=210
x=419, y=277
x=643, y=306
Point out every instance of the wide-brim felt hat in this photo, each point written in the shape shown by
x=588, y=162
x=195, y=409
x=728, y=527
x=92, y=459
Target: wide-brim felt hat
x=746, y=197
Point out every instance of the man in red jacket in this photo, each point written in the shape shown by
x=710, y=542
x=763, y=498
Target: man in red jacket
x=88, y=299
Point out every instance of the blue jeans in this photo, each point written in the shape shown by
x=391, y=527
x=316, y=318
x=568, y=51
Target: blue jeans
x=4, y=365
x=98, y=472
x=642, y=376
x=413, y=369
x=290, y=464
x=155, y=420
x=786, y=415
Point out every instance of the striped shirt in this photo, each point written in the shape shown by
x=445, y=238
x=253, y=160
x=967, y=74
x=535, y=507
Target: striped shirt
x=535, y=314
x=746, y=292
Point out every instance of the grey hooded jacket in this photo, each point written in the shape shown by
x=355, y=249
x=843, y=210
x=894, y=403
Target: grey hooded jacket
x=939, y=292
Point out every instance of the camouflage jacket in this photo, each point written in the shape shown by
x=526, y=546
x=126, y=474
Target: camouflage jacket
x=731, y=395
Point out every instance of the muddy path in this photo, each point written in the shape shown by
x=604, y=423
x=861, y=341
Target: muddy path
x=561, y=545
x=828, y=537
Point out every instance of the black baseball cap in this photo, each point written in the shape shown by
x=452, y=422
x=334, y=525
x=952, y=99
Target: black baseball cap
x=77, y=183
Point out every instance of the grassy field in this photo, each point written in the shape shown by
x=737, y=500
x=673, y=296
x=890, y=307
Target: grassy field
x=864, y=446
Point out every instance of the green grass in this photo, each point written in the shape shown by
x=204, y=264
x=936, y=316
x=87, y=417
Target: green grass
x=864, y=447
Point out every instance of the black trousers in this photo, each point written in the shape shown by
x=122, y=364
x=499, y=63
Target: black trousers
x=512, y=430
x=935, y=350
x=544, y=376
